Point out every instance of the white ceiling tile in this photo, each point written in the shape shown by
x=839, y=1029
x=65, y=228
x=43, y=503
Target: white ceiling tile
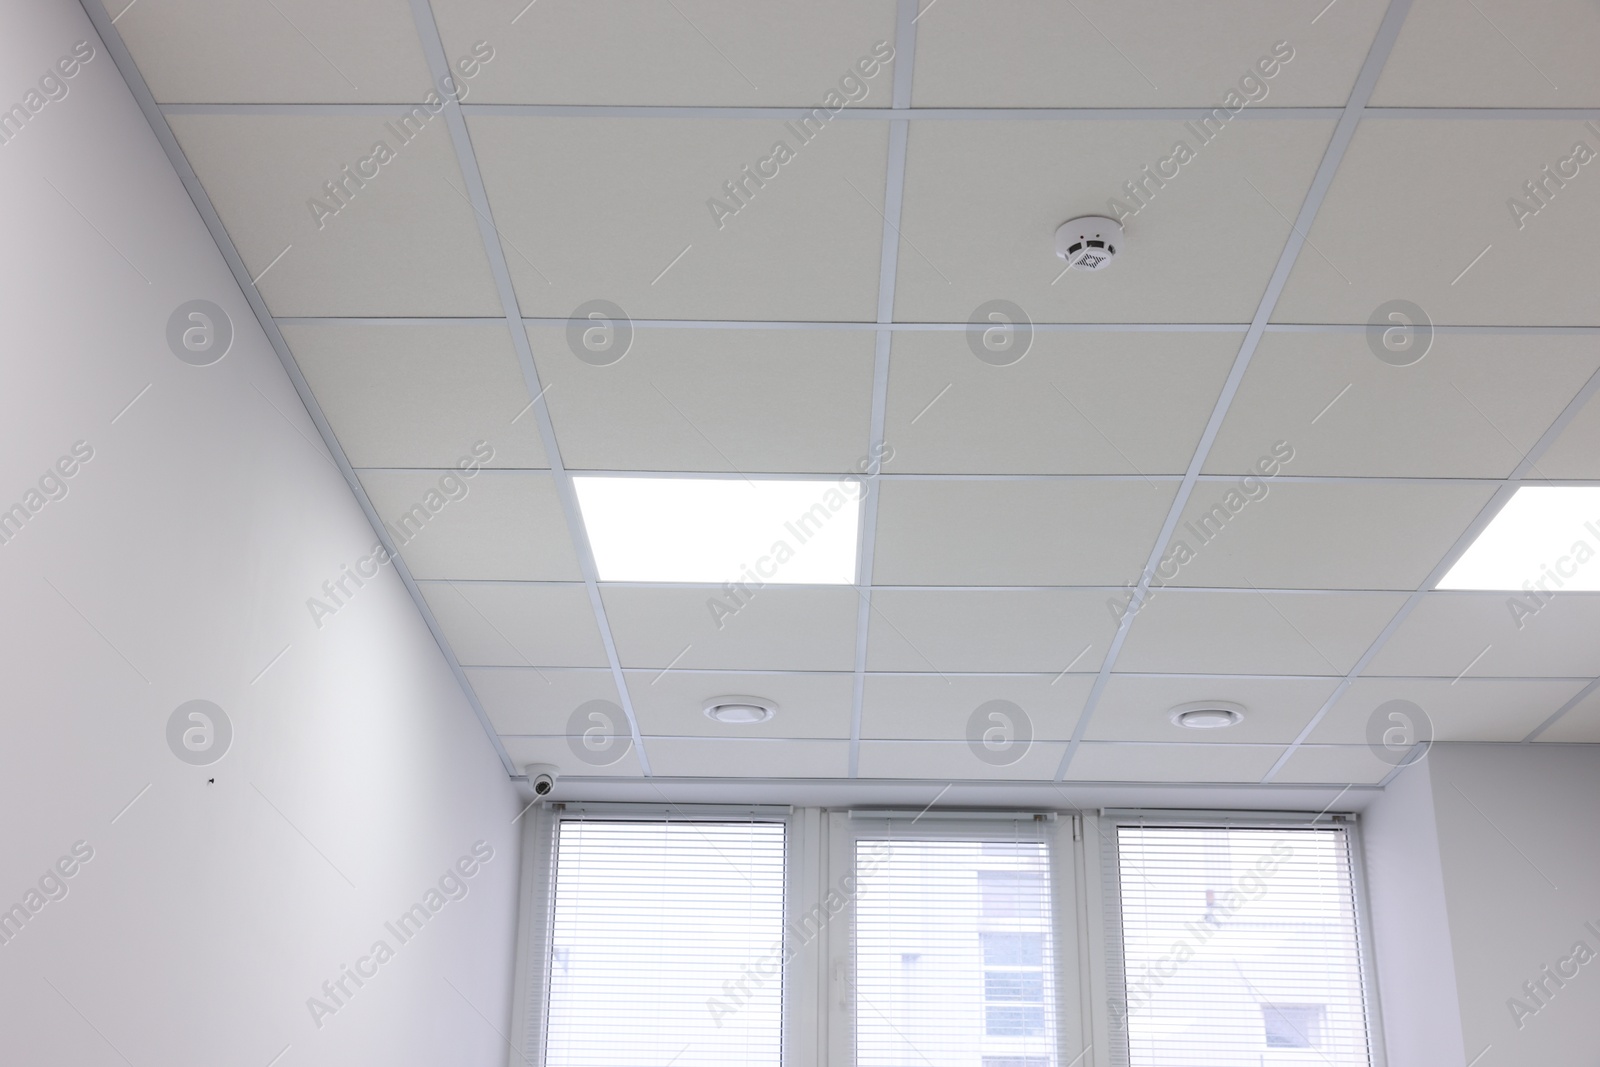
x=1016, y=533
x=954, y=761
x=712, y=400
x=1471, y=408
x=1255, y=633
x=1076, y=403
x=678, y=52
x=1333, y=764
x=674, y=757
x=777, y=629
x=405, y=242
x=634, y=224
x=506, y=525
x=811, y=705
x=1138, y=708
x=521, y=700
x=1478, y=634
x=554, y=750
x=1472, y=709
x=1494, y=53
x=1580, y=724
x=1100, y=53
x=1576, y=453
x=288, y=51
x=983, y=201
x=959, y=708
x=517, y=624
x=419, y=396
x=1109, y=762
x=1318, y=535
x=1375, y=240
x=938, y=630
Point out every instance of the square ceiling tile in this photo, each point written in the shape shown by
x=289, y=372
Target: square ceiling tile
x=1109, y=762
x=1494, y=53
x=809, y=705
x=517, y=624
x=526, y=750
x=1031, y=532
x=1472, y=408
x=1076, y=403
x=1580, y=724
x=1434, y=196
x=712, y=400
x=505, y=525
x=1180, y=631
x=673, y=52
x=1009, y=53
x=1576, y=453
x=983, y=201
x=287, y=51
x=676, y=757
x=420, y=396
x=1472, y=709
x=402, y=242
x=927, y=707
x=1456, y=634
x=521, y=700
x=636, y=224
x=1138, y=708
x=1334, y=764
x=955, y=761
x=778, y=629
x=935, y=630
x=1319, y=535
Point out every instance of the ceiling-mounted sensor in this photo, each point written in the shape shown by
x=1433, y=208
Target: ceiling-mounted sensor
x=1090, y=242
x=1207, y=714
x=740, y=710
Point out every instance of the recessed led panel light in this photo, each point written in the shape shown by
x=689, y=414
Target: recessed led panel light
x=1546, y=537
x=756, y=531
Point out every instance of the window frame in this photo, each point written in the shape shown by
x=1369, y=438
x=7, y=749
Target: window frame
x=817, y=1010
x=1110, y=932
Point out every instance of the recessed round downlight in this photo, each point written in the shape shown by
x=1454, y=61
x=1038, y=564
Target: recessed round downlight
x=1207, y=715
x=740, y=710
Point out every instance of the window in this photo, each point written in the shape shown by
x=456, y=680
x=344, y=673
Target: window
x=1237, y=945
x=953, y=954
x=666, y=944
x=652, y=936
x=1292, y=1025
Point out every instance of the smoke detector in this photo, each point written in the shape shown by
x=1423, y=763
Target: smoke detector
x=740, y=710
x=1207, y=715
x=1090, y=242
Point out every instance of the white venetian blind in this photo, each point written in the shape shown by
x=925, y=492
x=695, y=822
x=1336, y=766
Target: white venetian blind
x=953, y=954
x=666, y=945
x=1239, y=948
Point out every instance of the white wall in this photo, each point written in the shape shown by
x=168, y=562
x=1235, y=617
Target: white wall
x=176, y=567
x=1410, y=932
x=1519, y=843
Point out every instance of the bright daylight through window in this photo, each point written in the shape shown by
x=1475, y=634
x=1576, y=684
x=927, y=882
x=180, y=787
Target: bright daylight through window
x=1238, y=946
x=662, y=944
x=953, y=956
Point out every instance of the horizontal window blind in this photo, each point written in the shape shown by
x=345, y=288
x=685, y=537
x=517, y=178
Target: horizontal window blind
x=666, y=944
x=1239, y=946
x=953, y=954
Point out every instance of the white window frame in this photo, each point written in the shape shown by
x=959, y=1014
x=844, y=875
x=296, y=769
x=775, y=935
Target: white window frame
x=1109, y=934
x=818, y=1027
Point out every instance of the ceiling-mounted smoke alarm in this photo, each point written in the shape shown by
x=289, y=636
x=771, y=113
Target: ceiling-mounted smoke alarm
x=1090, y=242
x=1207, y=714
x=740, y=711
